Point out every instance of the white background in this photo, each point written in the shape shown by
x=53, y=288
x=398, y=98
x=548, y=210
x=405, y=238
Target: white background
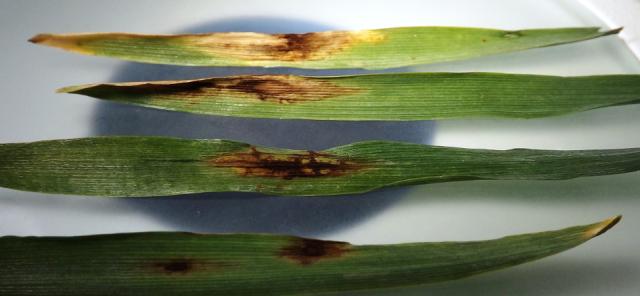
x=30, y=110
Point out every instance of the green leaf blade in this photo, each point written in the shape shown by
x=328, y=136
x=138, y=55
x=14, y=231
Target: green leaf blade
x=153, y=166
x=401, y=97
x=251, y=264
x=369, y=49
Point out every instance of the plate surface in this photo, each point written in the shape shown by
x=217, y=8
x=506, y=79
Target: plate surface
x=452, y=211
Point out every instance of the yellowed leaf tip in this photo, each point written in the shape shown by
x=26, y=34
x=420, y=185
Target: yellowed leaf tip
x=78, y=88
x=602, y=227
x=70, y=89
x=68, y=42
x=613, y=31
x=40, y=38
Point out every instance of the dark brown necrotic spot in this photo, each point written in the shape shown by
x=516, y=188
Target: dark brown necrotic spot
x=283, y=89
x=175, y=266
x=278, y=47
x=184, y=266
x=303, y=46
x=256, y=163
x=308, y=251
x=316, y=46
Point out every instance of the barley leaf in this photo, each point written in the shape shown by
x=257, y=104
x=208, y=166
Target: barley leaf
x=253, y=264
x=152, y=166
x=370, y=49
x=406, y=96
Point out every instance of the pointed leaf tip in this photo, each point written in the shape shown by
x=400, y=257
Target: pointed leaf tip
x=68, y=42
x=39, y=38
x=70, y=89
x=602, y=227
x=612, y=31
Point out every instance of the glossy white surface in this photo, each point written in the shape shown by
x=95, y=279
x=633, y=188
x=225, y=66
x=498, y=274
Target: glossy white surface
x=621, y=13
x=30, y=110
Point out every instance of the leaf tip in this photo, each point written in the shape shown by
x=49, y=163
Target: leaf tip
x=40, y=38
x=76, y=89
x=602, y=227
x=65, y=41
x=612, y=31
x=67, y=89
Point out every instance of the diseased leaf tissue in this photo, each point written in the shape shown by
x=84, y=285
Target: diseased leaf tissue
x=370, y=49
x=154, y=166
x=256, y=264
x=400, y=96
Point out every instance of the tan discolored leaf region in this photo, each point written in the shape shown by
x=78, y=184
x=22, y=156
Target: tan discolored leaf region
x=370, y=49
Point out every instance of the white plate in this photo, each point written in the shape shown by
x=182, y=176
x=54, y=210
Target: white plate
x=453, y=211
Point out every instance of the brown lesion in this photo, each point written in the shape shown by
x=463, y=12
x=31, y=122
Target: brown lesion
x=306, y=251
x=282, y=89
x=247, y=46
x=285, y=89
x=281, y=47
x=310, y=164
x=184, y=266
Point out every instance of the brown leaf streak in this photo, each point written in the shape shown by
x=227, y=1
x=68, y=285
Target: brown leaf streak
x=286, y=166
x=282, y=89
x=286, y=89
x=308, y=251
x=281, y=47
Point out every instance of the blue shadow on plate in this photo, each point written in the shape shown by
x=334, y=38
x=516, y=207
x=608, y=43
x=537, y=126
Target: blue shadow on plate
x=245, y=212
